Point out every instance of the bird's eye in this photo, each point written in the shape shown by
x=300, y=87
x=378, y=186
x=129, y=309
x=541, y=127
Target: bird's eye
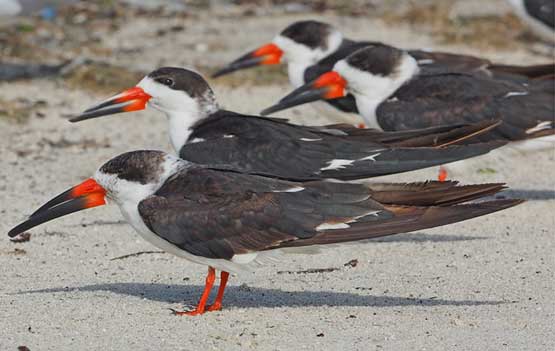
x=166, y=81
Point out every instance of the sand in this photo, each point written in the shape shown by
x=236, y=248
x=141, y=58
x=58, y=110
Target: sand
x=485, y=284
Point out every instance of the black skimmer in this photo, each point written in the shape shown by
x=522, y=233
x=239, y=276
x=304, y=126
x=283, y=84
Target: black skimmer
x=228, y=220
x=392, y=94
x=539, y=15
x=201, y=132
x=311, y=48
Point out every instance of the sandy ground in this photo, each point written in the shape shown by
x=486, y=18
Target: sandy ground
x=485, y=284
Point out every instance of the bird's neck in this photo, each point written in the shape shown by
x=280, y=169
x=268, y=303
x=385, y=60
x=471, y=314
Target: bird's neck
x=295, y=71
x=181, y=124
x=180, y=128
x=372, y=90
x=367, y=109
x=297, y=66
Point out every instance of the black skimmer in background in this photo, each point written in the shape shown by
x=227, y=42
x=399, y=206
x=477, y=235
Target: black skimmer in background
x=539, y=15
x=311, y=48
x=228, y=220
x=392, y=94
x=201, y=132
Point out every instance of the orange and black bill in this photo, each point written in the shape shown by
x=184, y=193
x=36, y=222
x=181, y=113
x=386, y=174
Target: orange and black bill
x=328, y=86
x=133, y=99
x=269, y=54
x=85, y=195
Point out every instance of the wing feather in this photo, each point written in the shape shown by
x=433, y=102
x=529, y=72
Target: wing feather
x=219, y=214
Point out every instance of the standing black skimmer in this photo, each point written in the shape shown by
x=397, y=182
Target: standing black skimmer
x=392, y=94
x=228, y=220
x=311, y=48
x=539, y=15
x=201, y=132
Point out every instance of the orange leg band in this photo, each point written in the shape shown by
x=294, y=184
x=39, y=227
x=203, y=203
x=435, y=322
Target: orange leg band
x=442, y=176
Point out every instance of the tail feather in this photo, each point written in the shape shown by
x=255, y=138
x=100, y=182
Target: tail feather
x=415, y=186
x=396, y=160
x=533, y=71
x=405, y=219
x=425, y=137
x=450, y=137
x=431, y=195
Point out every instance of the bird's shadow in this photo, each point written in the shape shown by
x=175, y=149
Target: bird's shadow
x=530, y=195
x=423, y=237
x=253, y=297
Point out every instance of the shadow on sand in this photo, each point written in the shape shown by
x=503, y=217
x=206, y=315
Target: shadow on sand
x=530, y=195
x=250, y=297
x=422, y=237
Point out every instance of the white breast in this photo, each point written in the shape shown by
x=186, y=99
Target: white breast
x=179, y=130
x=367, y=109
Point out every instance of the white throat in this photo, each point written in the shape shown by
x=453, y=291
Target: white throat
x=371, y=90
x=180, y=125
x=295, y=71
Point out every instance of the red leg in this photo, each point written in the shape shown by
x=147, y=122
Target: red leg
x=361, y=126
x=217, y=305
x=442, y=176
x=210, y=277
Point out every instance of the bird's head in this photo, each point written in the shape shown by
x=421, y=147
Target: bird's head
x=125, y=179
x=171, y=90
x=303, y=42
x=373, y=72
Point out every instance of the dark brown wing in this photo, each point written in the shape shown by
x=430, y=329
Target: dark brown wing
x=532, y=71
x=437, y=60
x=405, y=219
x=219, y=214
x=444, y=62
x=262, y=146
x=425, y=137
x=431, y=193
x=524, y=108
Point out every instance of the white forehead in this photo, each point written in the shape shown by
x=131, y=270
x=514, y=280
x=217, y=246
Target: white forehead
x=153, y=88
x=292, y=51
x=166, y=99
x=295, y=52
x=359, y=81
x=348, y=72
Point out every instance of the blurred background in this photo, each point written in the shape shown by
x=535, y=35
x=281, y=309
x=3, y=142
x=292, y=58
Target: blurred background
x=106, y=45
x=58, y=57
